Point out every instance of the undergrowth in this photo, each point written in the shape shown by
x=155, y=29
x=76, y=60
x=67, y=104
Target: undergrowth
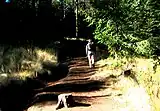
x=24, y=62
x=144, y=71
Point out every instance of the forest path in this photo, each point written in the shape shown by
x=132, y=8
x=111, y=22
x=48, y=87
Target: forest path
x=91, y=91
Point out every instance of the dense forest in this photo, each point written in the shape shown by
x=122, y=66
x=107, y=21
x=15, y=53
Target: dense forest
x=41, y=19
x=125, y=27
x=35, y=33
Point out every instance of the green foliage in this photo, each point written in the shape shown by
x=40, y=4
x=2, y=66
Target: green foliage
x=144, y=48
x=126, y=27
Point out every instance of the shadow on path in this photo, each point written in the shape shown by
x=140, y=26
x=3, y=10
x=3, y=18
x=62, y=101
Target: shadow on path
x=49, y=98
x=78, y=80
x=77, y=86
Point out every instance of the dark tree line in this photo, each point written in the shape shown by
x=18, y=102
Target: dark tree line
x=40, y=20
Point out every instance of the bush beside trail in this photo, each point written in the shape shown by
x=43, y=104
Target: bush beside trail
x=24, y=69
x=144, y=75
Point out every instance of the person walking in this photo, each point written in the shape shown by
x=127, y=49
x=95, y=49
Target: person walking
x=90, y=52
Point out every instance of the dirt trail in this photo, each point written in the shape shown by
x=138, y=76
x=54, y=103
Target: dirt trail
x=94, y=93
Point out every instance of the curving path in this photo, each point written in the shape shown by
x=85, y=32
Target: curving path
x=90, y=91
